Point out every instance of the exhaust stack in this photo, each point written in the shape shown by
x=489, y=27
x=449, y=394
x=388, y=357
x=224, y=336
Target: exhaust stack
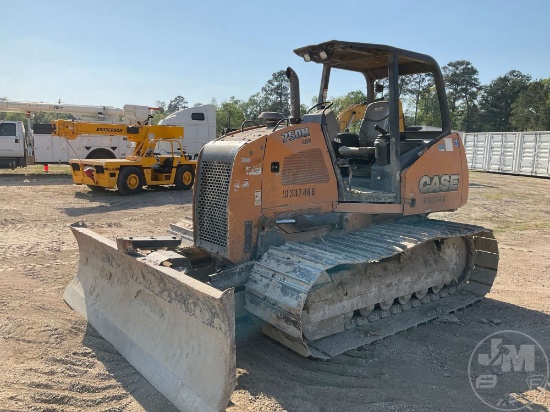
x=294, y=96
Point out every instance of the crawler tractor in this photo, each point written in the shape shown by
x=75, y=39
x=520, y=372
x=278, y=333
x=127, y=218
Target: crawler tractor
x=322, y=237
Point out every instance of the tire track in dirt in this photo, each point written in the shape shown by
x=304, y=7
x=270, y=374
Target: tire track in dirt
x=57, y=361
x=52, y=360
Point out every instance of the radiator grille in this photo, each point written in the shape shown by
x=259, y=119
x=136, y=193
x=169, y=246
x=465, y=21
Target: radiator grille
x=305, y=167
x=212, y=201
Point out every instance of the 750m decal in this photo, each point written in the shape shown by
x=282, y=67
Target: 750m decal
x=438, y=183
x=295, y=134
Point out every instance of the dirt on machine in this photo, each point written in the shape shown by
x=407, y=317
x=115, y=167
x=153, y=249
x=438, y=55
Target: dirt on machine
x=322, y=236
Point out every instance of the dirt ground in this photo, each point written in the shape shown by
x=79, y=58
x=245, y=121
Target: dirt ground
x=51, y=360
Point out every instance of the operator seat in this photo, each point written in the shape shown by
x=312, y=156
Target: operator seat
x=376, y=113
x=166, y=167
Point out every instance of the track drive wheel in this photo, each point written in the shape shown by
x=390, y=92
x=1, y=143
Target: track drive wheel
x=185, y=176
x=130, y=180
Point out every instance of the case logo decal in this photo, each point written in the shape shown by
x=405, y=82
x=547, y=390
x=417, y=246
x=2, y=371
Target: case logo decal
x=438, y=183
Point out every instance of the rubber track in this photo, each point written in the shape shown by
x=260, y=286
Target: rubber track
x=280, y=281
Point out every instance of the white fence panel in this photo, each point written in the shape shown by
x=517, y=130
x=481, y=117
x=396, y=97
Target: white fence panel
x=525, y=153
x=474, y=145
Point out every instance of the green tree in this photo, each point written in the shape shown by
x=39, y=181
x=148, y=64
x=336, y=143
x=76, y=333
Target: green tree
x=497, y=98
x=159, y=114
x=13, y=116
x=276, y=93
x=254, y=106
x=463, y=86
x=416, y=90
x=229, y=115
x=48, y=118
x=342, y=102
x=428, y=112
x=177, y=103
x=531, y=110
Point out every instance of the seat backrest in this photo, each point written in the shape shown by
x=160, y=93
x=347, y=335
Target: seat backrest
x=377, y=113
x=168, y=163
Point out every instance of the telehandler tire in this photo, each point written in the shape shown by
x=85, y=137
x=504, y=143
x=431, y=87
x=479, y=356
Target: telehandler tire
x=185, y=177
x=130, y=180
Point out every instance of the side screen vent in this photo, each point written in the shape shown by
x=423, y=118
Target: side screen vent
x=211, y=206
x=305, y=167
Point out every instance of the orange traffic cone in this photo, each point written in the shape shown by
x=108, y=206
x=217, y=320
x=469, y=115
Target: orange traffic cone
x=46, y=168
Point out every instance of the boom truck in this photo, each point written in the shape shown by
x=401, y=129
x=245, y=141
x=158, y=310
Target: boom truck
x=323, y=262
x=22, y=145
x=145, y=166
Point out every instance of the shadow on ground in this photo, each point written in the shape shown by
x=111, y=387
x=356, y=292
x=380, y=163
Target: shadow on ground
x=102, y=201
x=129, y=378
x=425, y=368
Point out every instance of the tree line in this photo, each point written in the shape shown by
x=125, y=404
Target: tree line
x=511, y=102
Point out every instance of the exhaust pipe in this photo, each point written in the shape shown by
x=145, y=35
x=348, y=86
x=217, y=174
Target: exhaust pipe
x=294, y=96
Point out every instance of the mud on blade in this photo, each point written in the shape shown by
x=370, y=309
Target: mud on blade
x=177, y=332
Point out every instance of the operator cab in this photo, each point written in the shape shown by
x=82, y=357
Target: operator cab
x=368, y=161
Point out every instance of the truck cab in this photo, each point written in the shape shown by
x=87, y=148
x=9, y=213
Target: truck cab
x=13, y=145
x=200, y=128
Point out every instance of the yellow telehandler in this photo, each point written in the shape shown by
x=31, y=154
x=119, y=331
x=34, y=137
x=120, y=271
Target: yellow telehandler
x=143, y=167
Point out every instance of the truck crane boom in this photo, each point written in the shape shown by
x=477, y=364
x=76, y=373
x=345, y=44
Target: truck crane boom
x=132, y=114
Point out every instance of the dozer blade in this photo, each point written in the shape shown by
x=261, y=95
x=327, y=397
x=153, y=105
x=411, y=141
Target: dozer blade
x=177, y=332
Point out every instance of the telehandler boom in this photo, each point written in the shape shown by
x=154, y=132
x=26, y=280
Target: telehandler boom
x=326, y=257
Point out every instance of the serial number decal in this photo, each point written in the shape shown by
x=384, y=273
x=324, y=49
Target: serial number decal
x=437, y=183
x=295, y=134
x=434, y=199
x=109, y=130
x=308, y=191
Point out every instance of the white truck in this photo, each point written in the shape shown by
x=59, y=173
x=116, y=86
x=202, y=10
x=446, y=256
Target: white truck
x=20, y=146
x=199, y=125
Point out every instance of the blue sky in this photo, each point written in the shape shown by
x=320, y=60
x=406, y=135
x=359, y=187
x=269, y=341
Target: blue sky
x=108, y=52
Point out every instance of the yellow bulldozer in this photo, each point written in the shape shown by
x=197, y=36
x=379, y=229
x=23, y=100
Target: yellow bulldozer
x=144, y=167
x=325, y=259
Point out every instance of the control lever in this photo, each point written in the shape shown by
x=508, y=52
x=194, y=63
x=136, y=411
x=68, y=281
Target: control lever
x=381, y=130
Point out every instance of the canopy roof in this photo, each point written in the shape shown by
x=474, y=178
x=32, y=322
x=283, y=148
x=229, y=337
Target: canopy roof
x=371, y=59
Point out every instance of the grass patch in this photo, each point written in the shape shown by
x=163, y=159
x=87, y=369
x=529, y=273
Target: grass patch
x=495, y=196
x=520, y=226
